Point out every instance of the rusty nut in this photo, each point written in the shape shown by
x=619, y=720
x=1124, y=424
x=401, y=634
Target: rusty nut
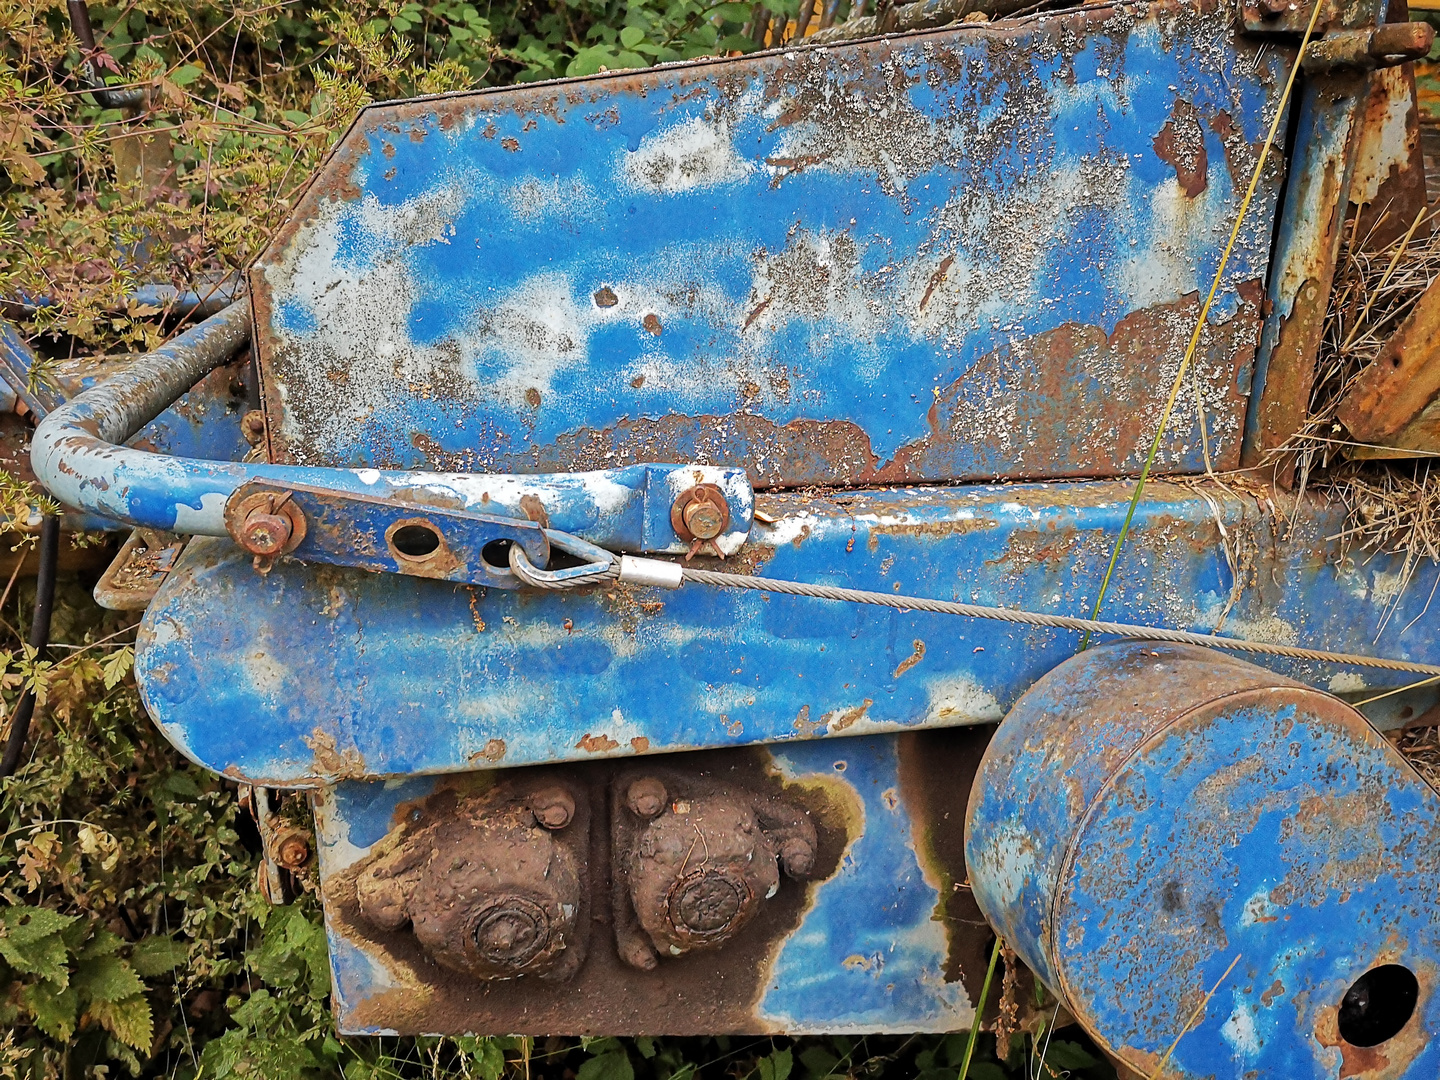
x=265, y=534
x=553, y=807
x=266, y=523
x=291, y=848
x=252, y=427
x=646, y=797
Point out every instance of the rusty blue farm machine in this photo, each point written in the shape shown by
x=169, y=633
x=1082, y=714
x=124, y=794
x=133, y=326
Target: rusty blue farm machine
x=682, y=529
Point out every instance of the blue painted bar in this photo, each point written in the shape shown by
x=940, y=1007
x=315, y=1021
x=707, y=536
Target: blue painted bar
x=349, y=674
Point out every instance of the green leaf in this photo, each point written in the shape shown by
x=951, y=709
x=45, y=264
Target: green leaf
x=106, y=978
x=986, y=1070
x=30, y=942
x=184, y=76
x=775, y=1066
x=646, y=1045
x=631, y=36
x=104, y=943
x=589, y=61
x=1068, y=1055
x=117, y=665
x=54, y=1010
x=818, y=1061
x=614, y=1065
x=156, y=955
x=129, y=1020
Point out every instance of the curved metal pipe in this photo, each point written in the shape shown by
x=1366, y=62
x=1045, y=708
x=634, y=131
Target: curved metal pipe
x=77, y=454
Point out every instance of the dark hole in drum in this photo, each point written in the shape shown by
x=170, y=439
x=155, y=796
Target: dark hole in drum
x=415, y=541
x=497, y=554
x=1378, y=1005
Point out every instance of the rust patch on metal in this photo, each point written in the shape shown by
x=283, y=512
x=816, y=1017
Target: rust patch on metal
x=332, y=763
x=1402, y=381
x=701, y=992
x=494, y=752
x=605, y=297
x=1181, y=145
x=651, y=323
x=596, y=744
x=937, y=769
x=936, y=278
x=910, y=661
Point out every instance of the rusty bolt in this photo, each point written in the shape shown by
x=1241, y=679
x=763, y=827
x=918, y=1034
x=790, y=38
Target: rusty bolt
x=553, y=807
x=253, y=427
x=291, y=848
x=265, y=533
x=704, y=520
x=700, y=513
x=646, y=797
x=1274, y=8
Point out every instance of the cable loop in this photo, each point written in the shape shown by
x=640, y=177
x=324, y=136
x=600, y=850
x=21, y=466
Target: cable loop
x=600, y=567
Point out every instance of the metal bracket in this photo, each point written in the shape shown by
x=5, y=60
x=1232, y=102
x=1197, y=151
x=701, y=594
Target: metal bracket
x=1365, y=50
x=335, y=527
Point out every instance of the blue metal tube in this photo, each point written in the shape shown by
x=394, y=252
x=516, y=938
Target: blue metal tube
x=77, y=455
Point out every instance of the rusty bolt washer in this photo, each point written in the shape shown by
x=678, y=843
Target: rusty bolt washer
x=510, y=931
x=265, y=524
x=253, y=427
x=699, y=515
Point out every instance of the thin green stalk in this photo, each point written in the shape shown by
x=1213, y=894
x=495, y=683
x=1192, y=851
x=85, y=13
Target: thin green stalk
x=979, y=1012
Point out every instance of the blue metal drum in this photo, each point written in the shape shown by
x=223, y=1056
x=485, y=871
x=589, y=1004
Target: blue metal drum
x=1152, y=823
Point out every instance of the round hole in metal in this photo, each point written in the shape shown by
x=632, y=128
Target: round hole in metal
x=415, y=541
x=1378, y=1005
x=497, y=554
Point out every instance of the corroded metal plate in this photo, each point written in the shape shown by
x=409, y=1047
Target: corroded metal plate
x=975, y=252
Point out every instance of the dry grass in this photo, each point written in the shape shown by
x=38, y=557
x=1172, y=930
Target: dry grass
x=1394, y=506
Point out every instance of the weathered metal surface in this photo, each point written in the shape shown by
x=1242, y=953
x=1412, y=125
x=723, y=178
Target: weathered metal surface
x=346, y=674
x=968, y=253
x=1387, y=187
x=1307, y=247
x=133, y=578
x=1148, y=814
x=493, y=885
x=77, y=458
x=695, y=860
x=1366, y=49
x=881, y=936
x=1391, y=401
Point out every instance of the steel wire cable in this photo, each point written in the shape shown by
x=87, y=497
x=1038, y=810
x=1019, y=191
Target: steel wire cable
x=1034, y=618
x=899, y=601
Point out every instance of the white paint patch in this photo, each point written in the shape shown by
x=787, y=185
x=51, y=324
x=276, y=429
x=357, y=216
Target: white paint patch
x=209, y=520
x=1269, y=628
x=1346, y=682
x=692, y=154
x=960, y=700
x=1239, y=1030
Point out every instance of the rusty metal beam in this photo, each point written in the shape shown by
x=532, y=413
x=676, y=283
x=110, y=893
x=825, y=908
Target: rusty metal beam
x=1391, y=402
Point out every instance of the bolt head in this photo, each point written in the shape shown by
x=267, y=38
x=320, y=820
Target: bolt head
x=293, y=851
x=553, y=808
x=704, y=519
x=646, y=797
x=266, y=534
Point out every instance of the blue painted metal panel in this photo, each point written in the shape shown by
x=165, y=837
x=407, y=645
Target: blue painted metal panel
x=348, y=674
x=975, y=252
x=1149, y=814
